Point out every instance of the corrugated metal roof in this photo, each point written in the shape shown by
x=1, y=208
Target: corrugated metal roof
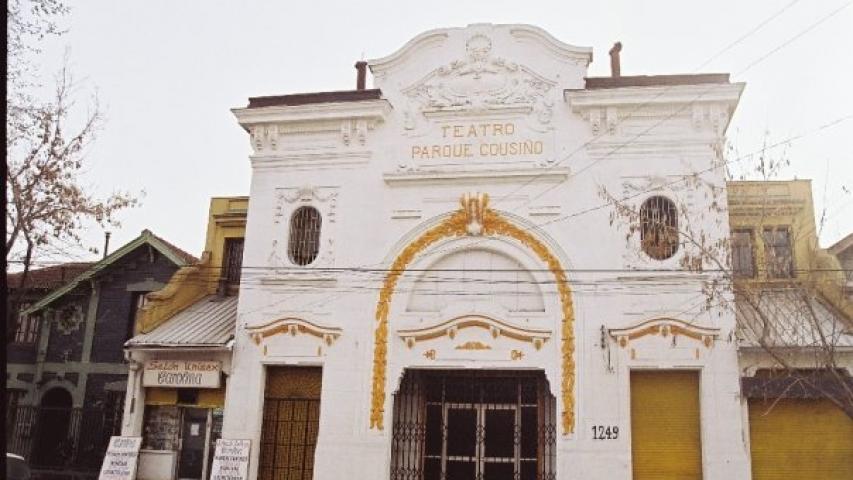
x=208, y=322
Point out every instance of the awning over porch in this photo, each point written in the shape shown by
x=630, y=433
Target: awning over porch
x=210, y=322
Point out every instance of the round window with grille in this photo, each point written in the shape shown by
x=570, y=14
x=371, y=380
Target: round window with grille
x=304, y=235
x=659, y=227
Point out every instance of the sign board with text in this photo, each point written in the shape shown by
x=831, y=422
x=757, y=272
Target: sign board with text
x=182, y=373
x=121, y=458
x=231, y=460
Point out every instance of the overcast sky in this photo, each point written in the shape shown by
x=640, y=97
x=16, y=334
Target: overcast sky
x=167, y=73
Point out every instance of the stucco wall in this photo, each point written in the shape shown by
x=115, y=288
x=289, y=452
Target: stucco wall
x=381, y=201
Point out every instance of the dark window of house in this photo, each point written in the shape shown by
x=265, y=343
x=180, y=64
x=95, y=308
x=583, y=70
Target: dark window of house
x=27, y=328
x=232, y=262
x=137, y=301
x=743, y=262
x=187, y=396
x=161, y=427
x=304, y=242
x=659, y=227
x=778, y=252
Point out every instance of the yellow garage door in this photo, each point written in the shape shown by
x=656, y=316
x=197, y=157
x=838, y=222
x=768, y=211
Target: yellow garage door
x=800, y=439
x=665, y=436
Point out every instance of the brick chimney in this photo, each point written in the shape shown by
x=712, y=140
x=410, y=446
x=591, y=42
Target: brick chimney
x=361, y=77
x=615, y=66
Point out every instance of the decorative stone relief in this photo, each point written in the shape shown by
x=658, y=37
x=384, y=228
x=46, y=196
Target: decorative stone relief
x=69, y=318
x=481, y=81
x=602, y=120
x=711, y=116
x=310, y=136
x=355, y=131
x=264, y=136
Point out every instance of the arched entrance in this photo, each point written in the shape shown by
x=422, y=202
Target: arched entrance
x=474, y=218
x=52, y=445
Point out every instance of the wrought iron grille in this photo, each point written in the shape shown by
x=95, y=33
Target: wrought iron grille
x=473, y=426
x=659, y=227
x=289, y=438
x=61, y=438
x=304, y=244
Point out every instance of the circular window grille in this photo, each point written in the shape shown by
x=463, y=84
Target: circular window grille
x=659, y=228
x=304, y=242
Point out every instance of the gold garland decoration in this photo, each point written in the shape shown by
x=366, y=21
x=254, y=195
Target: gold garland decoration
x=457, y=225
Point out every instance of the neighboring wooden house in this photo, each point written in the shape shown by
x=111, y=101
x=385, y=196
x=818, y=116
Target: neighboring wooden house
x=66, y=372
x=22, y=333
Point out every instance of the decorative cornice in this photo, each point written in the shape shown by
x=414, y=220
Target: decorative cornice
x=497, y=328
x=376, y=109
x=706, y=107
x=655, y=96
x=534, y=175
x=424, y=40
x=457, y=225
x=293, y=326
x=282, y=130
x=521, y=32
x=665, y=327
x=581, y=56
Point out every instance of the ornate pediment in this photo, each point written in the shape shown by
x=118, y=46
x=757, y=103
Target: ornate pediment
x=665, y=328
x=496, y=328
x=482, y=82
x=293, y=327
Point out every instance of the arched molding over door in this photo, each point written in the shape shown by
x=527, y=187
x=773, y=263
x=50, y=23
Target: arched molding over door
x=474, y=217
x=52, y=427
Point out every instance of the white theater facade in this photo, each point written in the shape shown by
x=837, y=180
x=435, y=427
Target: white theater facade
x=433, y=286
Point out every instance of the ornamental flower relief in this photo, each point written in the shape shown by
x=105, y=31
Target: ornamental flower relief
x=481, y=82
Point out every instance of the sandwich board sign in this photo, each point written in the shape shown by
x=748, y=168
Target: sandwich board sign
x=121, y=458
x=231, y=460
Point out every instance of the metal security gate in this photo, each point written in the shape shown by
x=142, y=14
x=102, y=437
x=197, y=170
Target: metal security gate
x=61, y=442
x=291, y=422
x=473, y=426
x=799, y=438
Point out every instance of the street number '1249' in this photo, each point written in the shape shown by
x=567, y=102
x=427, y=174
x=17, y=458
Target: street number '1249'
x=601, y=432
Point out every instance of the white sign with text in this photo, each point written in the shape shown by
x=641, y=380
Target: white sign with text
x=121, y=458
x=182, y=373
x=231, y=460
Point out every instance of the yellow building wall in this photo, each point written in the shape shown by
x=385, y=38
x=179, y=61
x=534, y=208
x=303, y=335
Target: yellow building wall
x=226, y=219
x=757, y=205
